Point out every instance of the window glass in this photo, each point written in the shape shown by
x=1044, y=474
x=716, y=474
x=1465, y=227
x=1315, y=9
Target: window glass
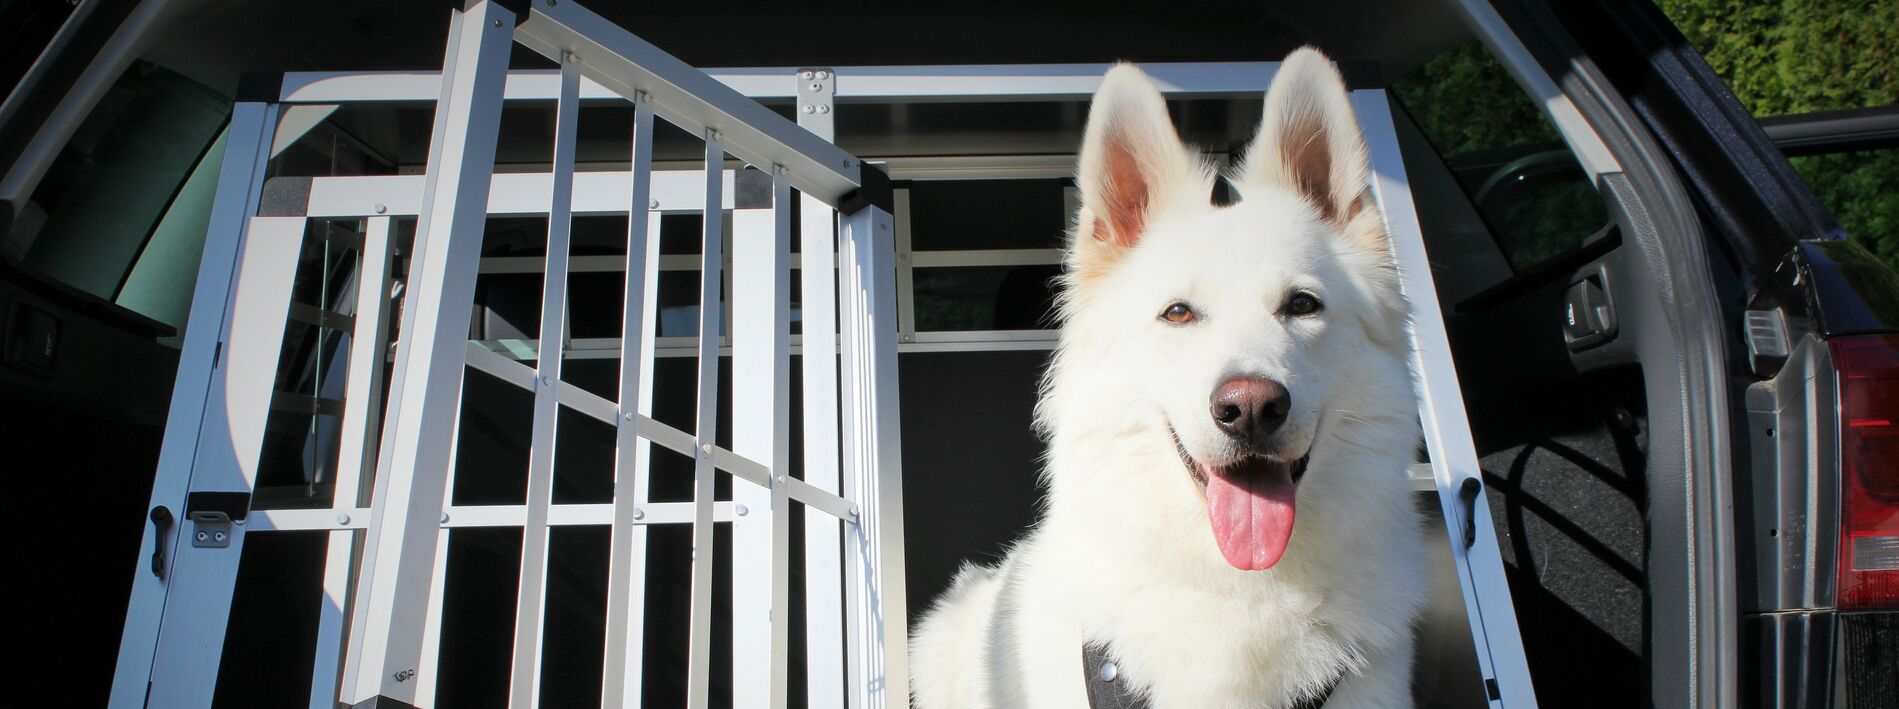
x=1526, y=186
x=108, y=189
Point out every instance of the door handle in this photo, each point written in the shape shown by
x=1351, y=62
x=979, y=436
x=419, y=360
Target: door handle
x=1467, y=496
x=161, y=522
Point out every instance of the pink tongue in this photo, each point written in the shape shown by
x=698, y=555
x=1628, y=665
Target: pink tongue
x=1251, y=508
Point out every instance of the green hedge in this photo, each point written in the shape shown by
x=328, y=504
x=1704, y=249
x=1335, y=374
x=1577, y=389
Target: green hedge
x=1794, y=57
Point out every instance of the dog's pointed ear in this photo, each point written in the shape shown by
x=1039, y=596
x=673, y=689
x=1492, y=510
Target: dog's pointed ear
x=1309, y=140
x=1132, y=162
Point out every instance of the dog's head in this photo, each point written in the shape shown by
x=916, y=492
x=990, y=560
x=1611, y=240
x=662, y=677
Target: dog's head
x=1235, y=326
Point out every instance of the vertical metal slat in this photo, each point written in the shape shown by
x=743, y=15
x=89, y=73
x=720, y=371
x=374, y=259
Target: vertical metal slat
x=699, y=645
x=531, y=599
x=761, y=398
x=626, y=580
x=362, y=410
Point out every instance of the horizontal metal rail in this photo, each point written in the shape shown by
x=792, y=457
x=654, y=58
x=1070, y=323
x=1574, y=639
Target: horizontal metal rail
x=630, y=66
x=860, y=84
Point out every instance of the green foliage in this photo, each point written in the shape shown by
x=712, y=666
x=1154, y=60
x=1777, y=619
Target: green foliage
x=1465, y=102
x=1797, y=56
x=1793, y=57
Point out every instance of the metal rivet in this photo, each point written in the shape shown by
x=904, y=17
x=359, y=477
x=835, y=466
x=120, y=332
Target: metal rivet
x=628, y=416
x=707, y=448
x=783, y=479
x=905, y=338
x=783, y=171
x=639, y=513
x=1108, y=672
x=824, y=109
x=822, y=75
x=653, y=204
x=808, y=108
x=380, y=208
x=853, y=510
x=444, y=518
x=218, y=536
x=342, y=519
x=497, y=23
x=740, y=509
x=817, y=87
x=202, y=536
x=806, y=75
x=847, y=163
x=547, y=380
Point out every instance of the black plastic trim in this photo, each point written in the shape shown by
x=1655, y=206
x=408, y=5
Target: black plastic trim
x=874, y=191
x=260, y=87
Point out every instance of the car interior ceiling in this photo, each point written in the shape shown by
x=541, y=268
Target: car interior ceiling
x=1562, y=435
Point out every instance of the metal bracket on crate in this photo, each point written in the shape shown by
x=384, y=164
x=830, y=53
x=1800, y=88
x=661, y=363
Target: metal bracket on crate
x=817, y=87
x=212, y=514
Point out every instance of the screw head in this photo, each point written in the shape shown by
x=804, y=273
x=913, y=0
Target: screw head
x=639, y=513
x=381, y=208
x=342, y=519
x=808, y=108
x=817, y=87
x=652, y=204
x=822, y=75
x=707, y=447
x=497, y=23
x=444, y=518
x=547, y=380
x=628, y=416
x=740, y=509
x=806, y=75
x=203, y=536
x=824, y=109
x=783, y=479
x=218, y=536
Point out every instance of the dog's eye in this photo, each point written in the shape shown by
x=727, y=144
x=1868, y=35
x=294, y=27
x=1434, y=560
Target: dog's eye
x=1301, y=304
x=1178, y=314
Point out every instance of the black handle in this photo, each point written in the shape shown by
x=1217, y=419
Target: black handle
x=1467, y=494
x=161, y=521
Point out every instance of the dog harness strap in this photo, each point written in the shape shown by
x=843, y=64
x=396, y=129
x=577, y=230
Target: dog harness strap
x=1106, y=689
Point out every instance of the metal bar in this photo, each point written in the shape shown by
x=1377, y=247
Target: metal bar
x=712, y=249
x=1014, y=82
x=690, y=99
x=906, y=275
x=362, y=410
x=191, y=634
x=512, y=194
x=1446, y=426
x=240, y=178
x=979, y=257
x=823, y=539
x=426, y=671
x=568, y=515
x=878, y=660
x=824, y=501
x=761, y=402
x=531, y=600
x=626, y=582
x=400, y=551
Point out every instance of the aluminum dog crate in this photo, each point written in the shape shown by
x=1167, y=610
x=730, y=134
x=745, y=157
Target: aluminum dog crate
x=389, y=505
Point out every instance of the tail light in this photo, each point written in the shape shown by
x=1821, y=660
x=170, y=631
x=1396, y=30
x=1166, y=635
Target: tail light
x=1869, y=469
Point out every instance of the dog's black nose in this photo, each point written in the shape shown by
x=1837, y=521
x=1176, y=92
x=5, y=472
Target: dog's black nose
x=1250, y=408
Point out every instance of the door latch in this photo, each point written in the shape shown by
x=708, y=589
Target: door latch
x=212, y=514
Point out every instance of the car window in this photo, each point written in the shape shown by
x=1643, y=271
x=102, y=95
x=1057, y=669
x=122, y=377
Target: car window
x=1861, y=189
x=118, y=178
x=1525, y=185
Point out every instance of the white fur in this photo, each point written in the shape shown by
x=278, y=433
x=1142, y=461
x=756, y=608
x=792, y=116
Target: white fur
x=1124, y=554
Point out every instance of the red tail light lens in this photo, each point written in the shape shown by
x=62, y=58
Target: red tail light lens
x=1869, y=470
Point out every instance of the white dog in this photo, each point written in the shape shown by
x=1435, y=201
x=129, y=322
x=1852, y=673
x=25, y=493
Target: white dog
x=1217, y=365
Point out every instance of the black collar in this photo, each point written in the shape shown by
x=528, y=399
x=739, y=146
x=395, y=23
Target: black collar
x=1106, y=690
